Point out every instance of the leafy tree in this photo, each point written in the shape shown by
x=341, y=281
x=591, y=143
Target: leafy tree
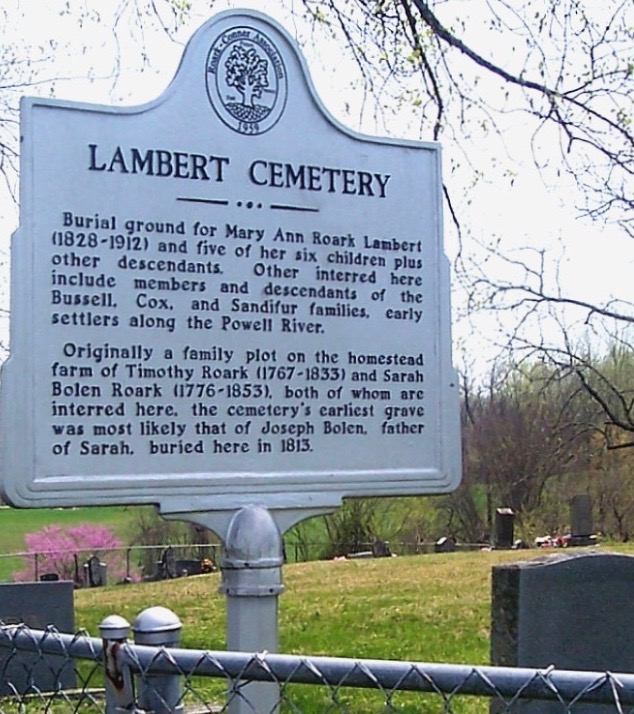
x=352, y=527
x=612, y=494
x=63, y=551
x=526, y=429
x=247, y=72
x=153, y=533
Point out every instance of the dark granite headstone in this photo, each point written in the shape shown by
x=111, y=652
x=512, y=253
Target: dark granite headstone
x=381, y=549
x=168, y=564
x=36, y=605
x=581, y=528
x=95, y=572
x=504, y=525
x=445, y=545
x=572, y=611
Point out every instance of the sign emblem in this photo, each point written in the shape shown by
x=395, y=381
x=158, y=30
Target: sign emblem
x=246, y=80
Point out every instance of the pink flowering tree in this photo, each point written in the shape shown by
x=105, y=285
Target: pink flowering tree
x=64, y=550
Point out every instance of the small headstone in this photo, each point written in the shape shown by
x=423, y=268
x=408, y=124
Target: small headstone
x=445, y=545
x=49, y=578
x=168, y=564
x=37, y=605
x=381, y=549
x=504, y=523
x=569, y=610
x=96, y=572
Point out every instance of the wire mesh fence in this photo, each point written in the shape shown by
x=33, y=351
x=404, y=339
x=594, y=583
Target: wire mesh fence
x=44, y=670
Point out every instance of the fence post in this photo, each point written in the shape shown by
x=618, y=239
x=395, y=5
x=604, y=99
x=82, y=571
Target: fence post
x=159, y=693
x=252, y=582
x=114, y=631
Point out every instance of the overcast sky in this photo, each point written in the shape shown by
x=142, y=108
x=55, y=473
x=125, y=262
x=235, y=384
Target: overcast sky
x=596, y=263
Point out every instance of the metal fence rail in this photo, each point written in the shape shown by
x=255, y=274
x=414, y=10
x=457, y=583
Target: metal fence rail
x=114, y=675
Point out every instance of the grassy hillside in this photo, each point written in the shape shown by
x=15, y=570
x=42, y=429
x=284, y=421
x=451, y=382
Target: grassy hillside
x=432, y=608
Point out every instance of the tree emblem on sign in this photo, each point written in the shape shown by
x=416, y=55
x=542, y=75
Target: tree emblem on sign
x=247, y=71
x=246, y=80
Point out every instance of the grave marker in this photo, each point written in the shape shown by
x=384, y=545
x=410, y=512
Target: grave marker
x=504, y=527
x=95, y=572
x=167, y=564
x=571, y=611
x=581, y=528
x=36, y=605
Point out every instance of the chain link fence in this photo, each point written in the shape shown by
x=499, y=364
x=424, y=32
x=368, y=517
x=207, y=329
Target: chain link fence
x=47, y=671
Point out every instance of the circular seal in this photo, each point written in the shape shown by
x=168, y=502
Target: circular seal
x=246, y=80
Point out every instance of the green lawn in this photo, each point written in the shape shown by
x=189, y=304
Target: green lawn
x=425, y=608
x=433, y=608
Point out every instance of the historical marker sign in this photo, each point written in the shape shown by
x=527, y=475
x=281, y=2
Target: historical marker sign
x=225, y=296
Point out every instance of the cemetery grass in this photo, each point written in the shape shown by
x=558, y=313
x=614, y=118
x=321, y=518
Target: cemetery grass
x=433, y=608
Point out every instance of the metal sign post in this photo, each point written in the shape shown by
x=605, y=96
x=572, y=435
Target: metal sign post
x=251, y=569
x=225, y=298
x=252, y=582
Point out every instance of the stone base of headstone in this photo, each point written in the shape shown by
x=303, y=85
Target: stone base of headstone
x=571, y=611
x=188, y=567
x=581, y=541
x=37, y=605
x=520, y=544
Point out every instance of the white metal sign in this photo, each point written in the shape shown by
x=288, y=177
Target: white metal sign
x=225, y=296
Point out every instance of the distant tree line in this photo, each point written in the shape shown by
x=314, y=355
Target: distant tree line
x=532, y=438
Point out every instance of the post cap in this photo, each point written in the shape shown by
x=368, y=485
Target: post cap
x=114, y=627
x=154, y=623
x=253, y=540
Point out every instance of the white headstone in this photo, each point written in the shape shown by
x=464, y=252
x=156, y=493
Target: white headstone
x=226, y=296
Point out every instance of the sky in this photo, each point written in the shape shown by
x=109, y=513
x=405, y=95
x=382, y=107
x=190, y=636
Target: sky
x=595, y=263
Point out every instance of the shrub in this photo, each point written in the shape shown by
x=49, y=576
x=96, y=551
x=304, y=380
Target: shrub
x=64, y=550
